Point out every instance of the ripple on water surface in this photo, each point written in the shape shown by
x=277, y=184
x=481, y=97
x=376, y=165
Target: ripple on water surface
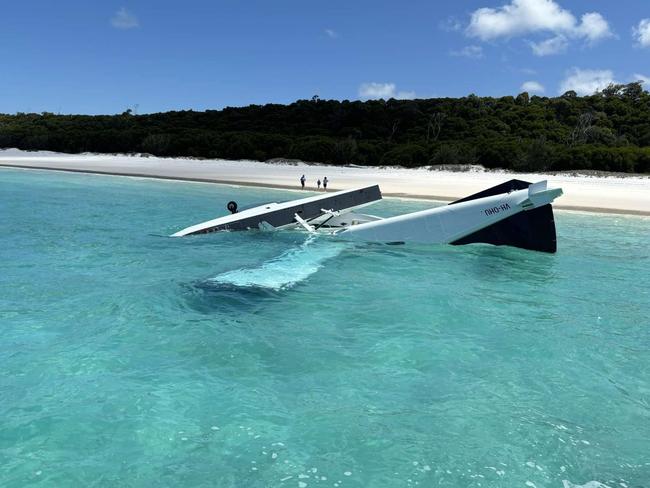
x=256, y=360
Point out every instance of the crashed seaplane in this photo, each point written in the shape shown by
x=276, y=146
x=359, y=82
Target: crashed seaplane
x=516, y=213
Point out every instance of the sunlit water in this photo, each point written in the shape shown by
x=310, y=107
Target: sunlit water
x=272, y=359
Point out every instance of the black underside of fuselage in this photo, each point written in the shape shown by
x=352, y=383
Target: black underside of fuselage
x=532, y=229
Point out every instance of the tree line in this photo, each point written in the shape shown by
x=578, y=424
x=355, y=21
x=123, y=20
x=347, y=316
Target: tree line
x=609, y=131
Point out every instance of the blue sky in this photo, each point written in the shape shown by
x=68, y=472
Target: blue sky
x=105, y=57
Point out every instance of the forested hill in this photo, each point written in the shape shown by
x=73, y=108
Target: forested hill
x=609, y=131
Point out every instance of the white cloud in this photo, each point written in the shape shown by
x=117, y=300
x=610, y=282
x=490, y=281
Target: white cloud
x=405, y=95
x=587, y=81
x=522, y=17
x=123, y=19
x=377, y=90
x=472, y=52
x=533, y=87
x=554, y=45
x=642, y=33
x=519, y=17
x=642, y=78
x=332, y=34
x=593, y=27
x=451, y=24
x=383, y=90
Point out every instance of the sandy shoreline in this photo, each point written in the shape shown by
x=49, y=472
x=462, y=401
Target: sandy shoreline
x=622, y=195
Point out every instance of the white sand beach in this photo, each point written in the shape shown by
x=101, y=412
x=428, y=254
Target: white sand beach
x=607, y=194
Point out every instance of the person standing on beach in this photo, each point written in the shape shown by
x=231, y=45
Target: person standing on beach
x=325, y=183
x=318, y=183
x=302, y=181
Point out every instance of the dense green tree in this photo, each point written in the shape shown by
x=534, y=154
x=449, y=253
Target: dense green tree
x=609, y=130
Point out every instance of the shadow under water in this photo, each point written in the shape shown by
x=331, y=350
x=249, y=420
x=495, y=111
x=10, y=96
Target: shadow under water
x=249, y=286
x=510, y=264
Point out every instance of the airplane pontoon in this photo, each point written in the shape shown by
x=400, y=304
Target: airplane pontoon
x=516, y=213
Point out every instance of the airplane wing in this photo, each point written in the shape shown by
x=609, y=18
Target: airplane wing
x=279, y=215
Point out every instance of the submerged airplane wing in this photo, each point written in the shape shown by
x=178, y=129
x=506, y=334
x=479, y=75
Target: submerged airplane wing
x=279, y=215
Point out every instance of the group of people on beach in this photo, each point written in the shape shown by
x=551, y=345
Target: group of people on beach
x=324, y=182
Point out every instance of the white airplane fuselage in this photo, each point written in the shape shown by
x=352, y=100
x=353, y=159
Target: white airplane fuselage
x=449, y=223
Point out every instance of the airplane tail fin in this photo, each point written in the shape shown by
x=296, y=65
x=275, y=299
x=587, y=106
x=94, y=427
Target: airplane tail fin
x=539, y=194
x=533, y=229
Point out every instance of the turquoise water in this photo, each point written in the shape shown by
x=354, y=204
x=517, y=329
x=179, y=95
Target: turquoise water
x=272, y=359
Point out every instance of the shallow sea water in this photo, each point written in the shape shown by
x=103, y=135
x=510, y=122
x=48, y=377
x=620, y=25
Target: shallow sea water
x=275, y=359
